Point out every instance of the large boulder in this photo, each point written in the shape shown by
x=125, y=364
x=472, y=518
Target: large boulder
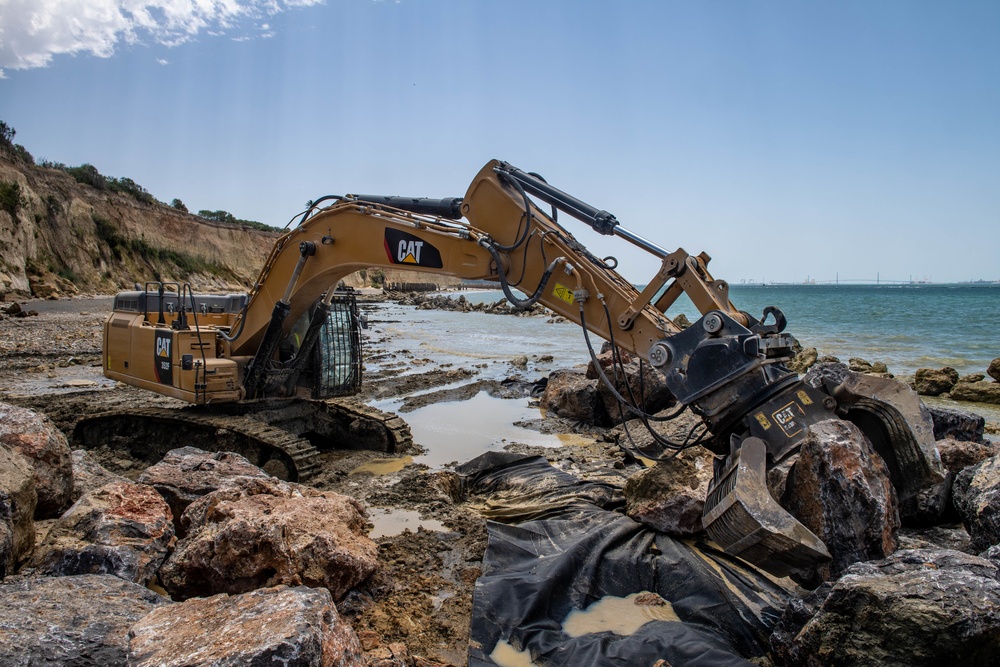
x=934, y=381
x=89, y=475
x=572, y=395
x=839, y=489
x=985, y=391
x=186, y=474
x=293, y=627
x=933, y=505
x=670, y=496
x=803, y=360
x=79, y=621
x=916, y=608
x=17, y=508
x=124, y=529
x=35, y=437
x=976, y=496
x=957, y=424
x=265, y=532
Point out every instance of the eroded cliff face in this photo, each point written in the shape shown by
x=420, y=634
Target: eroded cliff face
x=63, y=238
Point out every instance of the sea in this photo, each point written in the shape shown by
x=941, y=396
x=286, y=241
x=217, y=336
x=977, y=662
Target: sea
x=905, y=326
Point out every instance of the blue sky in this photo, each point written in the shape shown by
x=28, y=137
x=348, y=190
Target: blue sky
x=787, y=139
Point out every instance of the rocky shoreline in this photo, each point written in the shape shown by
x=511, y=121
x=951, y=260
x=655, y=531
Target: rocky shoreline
x=203, y=559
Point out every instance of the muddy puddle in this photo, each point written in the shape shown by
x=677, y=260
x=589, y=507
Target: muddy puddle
x=391, y=522
x=458, y=431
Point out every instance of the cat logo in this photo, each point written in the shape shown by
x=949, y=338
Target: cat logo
x=162, y=361
x=404, y=248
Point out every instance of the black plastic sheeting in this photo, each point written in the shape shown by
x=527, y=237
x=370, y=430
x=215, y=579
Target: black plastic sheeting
x=573, y=550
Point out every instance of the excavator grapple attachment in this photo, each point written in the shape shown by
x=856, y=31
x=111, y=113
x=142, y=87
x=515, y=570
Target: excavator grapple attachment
x=743, y=518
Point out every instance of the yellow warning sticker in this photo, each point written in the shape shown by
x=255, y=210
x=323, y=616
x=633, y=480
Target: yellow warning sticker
x=763, y=420
x=564, y=293
x=803, y=397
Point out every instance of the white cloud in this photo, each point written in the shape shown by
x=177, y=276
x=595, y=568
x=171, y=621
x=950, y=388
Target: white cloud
x=32, y=32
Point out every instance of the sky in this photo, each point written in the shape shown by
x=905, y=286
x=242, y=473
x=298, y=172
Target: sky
x=790, y=140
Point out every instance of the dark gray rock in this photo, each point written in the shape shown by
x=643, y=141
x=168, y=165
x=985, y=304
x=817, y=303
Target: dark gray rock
x=79, y=621
x=918, y=607
x=957, y=424
x=826, y=372
x=293, y=627
x=36, y=438
x=123, y=529
x=934, y=381
x=17, y=509
x=186, y=474
x=839, y=489
x=976, y=496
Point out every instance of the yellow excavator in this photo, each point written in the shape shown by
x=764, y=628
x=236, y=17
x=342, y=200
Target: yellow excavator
x=276, y=358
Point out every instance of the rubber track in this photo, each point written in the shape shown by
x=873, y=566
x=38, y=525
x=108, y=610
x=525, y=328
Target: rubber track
x=304, y=456
x=395, y=426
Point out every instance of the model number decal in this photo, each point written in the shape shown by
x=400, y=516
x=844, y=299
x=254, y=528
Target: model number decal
x=162, y=359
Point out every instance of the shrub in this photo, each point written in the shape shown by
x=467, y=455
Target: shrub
x=10, y=197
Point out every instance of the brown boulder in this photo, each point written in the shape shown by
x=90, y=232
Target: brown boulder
x=803, y=360
x=934, y=382
x=186, y=474
x=35, y=437
x=839, y=489
x=122, y=529
x=294, y=627
x=978, y=392
x=17, y=508
x=670, y=496
x=265, y=532
x=571, y=395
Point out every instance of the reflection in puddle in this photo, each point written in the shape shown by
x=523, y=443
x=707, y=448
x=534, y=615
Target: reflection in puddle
x=383, y=466
x=505, y=655
x=389, y=522
x=460, y=431
x=622, y=616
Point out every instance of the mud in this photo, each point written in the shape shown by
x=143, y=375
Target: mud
x=431, y=539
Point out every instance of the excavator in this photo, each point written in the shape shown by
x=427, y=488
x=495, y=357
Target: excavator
x=274, y=362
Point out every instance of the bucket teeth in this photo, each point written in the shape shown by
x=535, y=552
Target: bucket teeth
x=743, y=518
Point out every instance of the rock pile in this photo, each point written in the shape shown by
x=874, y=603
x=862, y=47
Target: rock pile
x=260, y=563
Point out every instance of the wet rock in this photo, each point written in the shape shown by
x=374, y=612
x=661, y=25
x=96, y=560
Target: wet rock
x=89, y=475
x=122, y=529
x=571, y=395
x=859, y=365
x=294, y=627
x=957, y=424
x=972, y=377
x=976, y=496
x=840, y=490
x=994, y=370
x=670, y=496
x=804, y=360
x=79, y=621
x=35, y=437
x=265, y=532
x=520, y=361
x=915, y=608
x=17, y=508
x=934, y=382
x=188, y=473
x=978, y=392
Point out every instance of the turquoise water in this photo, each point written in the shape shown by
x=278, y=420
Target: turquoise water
x=907, y=327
